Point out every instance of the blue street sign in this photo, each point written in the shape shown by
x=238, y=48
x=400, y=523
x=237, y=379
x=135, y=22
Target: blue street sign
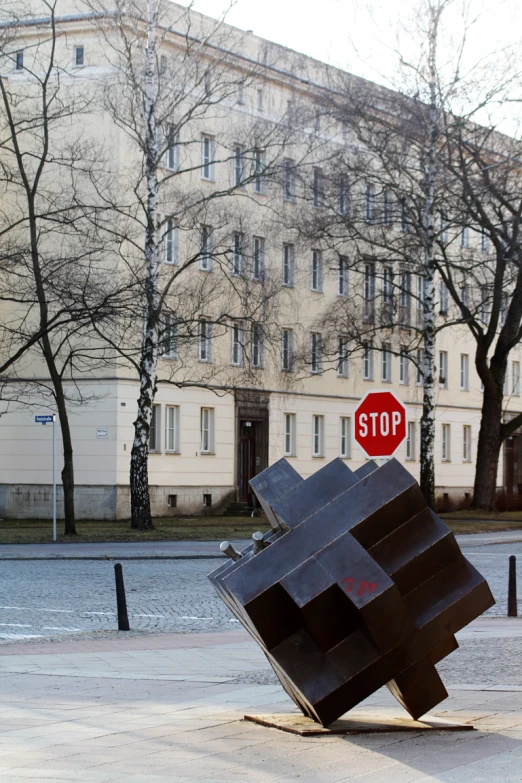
x=44, y=419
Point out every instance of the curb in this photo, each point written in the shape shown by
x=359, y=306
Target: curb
x=114, y=558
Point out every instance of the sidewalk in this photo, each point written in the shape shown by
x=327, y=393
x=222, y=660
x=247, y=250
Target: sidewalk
x=178, y=550
x=169, y=708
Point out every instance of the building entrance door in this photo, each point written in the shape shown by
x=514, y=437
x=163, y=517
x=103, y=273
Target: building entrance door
x=513, y=466
x=247, y=458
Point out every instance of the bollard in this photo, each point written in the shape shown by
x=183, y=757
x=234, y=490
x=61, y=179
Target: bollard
x=230, y=551
x=121, y=602
x=512, y=587
x=258, y=544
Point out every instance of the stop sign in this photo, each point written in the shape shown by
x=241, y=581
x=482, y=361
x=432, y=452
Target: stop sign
x=380, y=423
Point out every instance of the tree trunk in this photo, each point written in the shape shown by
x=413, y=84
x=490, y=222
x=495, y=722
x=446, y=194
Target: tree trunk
x=68, y=463
x=141, y=518
x=488, y=450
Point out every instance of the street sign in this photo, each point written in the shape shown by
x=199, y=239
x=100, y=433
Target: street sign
x=380, y=424
x=44, y=419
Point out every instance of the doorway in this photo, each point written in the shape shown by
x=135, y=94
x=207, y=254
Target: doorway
x=251, y=456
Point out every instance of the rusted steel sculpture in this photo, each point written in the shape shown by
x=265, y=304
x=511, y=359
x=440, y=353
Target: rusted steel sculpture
x=358, y=584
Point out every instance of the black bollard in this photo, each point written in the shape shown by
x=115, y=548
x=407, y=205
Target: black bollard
x=512, y=587
x=123, y=620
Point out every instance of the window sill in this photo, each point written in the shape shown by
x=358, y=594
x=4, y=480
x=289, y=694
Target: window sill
x=205, y=361
x=168, y=451
x=208, y=179
x=207, y=453
x=445, y=460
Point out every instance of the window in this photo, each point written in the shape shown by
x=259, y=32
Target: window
x=260, y=99
x=290, y=440
x=484, y=241
x=205, y=341
x=410, y=441
x=238, y=256
x=405, y=215
x=288, y=265
x=172, y=152
x=464, y=372
x=342, y=357
x=503, y=308
x=466, y=443
x=288, y=181
x=446, y=445
x=403, y=367
x=315, y=353
x=172, y=429
x=237, y=348
x=367, y=363
x=420, y=300
x=344, y=196
x=369, y=206
x=241, y=93
x=464, y=237
x=316, y=282
x=205, y=259
x=443, y=369
x=171, y=244
x=155, y=431
x=238, y=166
x=484, y=304
x=163, y=64
x=207, y=431
x=19, y=61
x=386, y=362
x=345, y=450
x=257, y=357
x=515, y=366
x=419, y=380
x=464, y=295
x=259, y=167
x=170, y=337
x=207, y=158
x=387, y=290
x=369, y=292
x=387, y=208
x=342, y=276
x=443, y=228
x=287, y=350
x=443, y=298
x=405, y=299
x=79, y=56
x=317, y=436
x=258, y=258
x=318, y=188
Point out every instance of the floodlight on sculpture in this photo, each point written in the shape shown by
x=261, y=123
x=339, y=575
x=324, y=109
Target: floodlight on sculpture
x=357, y=585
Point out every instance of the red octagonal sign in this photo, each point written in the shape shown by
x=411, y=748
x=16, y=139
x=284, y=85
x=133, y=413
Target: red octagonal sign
x=380, y=423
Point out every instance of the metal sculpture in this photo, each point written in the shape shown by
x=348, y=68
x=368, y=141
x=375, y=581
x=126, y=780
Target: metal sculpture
x=357, y=585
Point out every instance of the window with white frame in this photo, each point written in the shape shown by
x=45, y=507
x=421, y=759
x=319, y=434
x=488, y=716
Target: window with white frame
x=403, y=367
x=419, y=379
x=205, y=259
x=287, y=350
x=515, y=374
x=316, y=272
x=443, y=228
x=367, y=363
x=315, y=353
x=342, y=276
x=484, y=241
x=238, y=162
x=238, y=254
x=485, y=304
x=443, y=298
x=446, y=444
x=386, y=363
x=288, y=265
x=170, y=336
x=369, y=292
x=420, y=300
x=19, y=61
x=172, y=429
x=155, y=429
x=464, y=294
x=204, y=340
x=318, y=436
x=318, y=188
x=290, y=438
x=410, y=441
x=345, y=450
x=406, y=223
x=237, y=347
x=79, y=56
x=464, y=237
x=504, y=302
x=259, y=168
x=207, y=157
x=344, y=196
x=342, y=357
x=172, y=153
x=370, y=203
x=387, y=208
x=387, y=286
x=464, y=372
x=258, y=258
x=171, y=243
x=207, y=431
x=259, y=99
x=163, y=64
x=257, y=351
x=466, y=443
x=405, y=298
x=443, y=369
x=241, y=93
x=289, y=180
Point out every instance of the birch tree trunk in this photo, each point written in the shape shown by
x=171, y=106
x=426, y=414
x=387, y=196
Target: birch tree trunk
x=141, y=518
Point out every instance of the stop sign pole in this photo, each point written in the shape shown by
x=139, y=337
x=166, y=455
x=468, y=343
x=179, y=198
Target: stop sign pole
x=380, y=424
